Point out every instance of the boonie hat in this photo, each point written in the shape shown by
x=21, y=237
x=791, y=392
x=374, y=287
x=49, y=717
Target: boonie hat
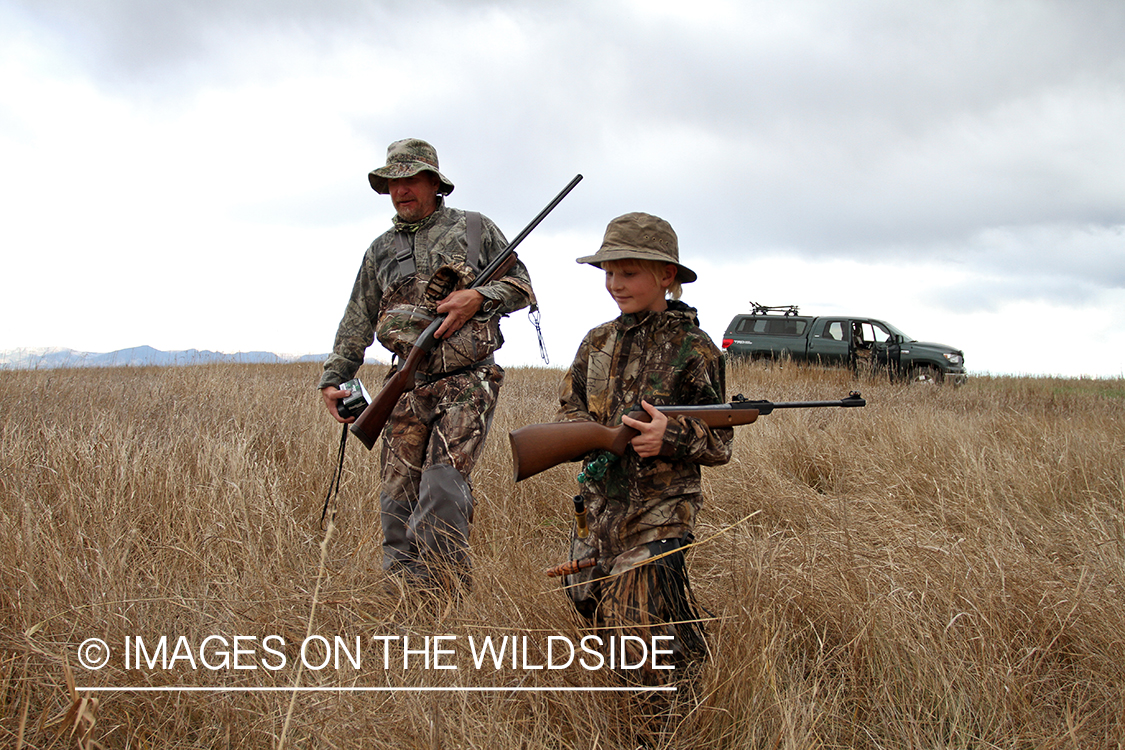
x=407, y=158
x=643, y=236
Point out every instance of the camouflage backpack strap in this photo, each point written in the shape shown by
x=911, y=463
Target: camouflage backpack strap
x=472, y=234
x=404, y=255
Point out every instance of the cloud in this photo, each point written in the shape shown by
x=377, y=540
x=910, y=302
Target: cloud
x=991, y=295
x=137, y=46
x=979, y=142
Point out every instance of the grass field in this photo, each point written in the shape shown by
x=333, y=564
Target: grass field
x=943, y=569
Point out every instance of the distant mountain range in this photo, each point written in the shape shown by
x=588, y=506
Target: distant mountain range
x=139, y=356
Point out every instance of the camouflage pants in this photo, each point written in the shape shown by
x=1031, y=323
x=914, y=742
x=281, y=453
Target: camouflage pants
x=644, y=593
x=431, y=442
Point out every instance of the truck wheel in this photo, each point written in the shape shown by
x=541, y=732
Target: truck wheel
x=928, y=374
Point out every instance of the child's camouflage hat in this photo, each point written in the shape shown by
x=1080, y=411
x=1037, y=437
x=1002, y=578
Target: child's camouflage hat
x=407, y=158
x=643, y=236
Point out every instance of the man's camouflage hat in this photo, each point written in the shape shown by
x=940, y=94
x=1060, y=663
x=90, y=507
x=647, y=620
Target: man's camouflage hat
x=643, y=236
x=407, y=158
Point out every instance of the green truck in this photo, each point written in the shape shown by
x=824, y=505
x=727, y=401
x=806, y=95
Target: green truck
x=858, y=343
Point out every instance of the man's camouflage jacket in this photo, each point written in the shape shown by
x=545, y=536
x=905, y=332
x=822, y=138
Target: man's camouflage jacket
x=438, y=240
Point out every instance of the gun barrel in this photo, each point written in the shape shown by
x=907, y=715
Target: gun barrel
x=765, y=407
x=535, y=222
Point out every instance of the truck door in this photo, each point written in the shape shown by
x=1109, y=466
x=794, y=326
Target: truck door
x=885, y=346
x=829, y=341
x=861, y=352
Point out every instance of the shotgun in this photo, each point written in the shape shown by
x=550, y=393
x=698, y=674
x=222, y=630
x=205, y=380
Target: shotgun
x=538, y=447
x=370, y=423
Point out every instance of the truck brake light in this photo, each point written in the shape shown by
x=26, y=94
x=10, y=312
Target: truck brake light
x=727, y=343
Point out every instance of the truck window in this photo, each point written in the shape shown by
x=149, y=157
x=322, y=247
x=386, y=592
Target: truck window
x=881, y=334
x=834, y=331
x=786, y=327
x=773, y=326
x=873, y=333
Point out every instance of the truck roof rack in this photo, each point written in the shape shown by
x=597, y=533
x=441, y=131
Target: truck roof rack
x=786, y=310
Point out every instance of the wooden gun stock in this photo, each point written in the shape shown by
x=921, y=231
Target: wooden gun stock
x=371, y=422
x=538, y=447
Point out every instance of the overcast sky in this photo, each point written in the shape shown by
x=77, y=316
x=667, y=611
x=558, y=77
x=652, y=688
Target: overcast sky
x=193, y=174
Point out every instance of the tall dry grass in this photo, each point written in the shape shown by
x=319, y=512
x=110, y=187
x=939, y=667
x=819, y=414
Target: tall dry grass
x=944, y=569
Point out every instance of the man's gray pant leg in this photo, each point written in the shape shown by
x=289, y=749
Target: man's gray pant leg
x=399, y=547
x=440, y=524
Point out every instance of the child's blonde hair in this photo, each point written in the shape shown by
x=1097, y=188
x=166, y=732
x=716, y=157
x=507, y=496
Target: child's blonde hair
x=655, y=267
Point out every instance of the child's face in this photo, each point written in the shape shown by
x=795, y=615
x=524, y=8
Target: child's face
x=634, y=286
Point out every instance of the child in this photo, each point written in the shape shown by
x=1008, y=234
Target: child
x=643, y=505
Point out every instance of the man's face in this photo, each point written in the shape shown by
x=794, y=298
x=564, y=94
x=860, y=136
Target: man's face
x=415, y=197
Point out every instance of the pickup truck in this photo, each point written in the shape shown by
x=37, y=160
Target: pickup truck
x=775, y=332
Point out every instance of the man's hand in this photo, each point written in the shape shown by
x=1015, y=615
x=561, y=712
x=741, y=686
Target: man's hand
x=332, y=396
x=458, y=307
x=651, y=438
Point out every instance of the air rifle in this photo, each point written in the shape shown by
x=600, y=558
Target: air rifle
x=369, y=424
x=538, y=447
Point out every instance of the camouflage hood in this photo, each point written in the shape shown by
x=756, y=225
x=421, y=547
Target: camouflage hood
x=677, y=311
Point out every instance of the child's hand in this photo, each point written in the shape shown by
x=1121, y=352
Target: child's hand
x=651, y=438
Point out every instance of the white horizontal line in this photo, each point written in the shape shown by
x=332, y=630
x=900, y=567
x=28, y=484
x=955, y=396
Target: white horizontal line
x=170, y=689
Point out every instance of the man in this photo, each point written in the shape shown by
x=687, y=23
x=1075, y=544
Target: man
x=417, y=269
